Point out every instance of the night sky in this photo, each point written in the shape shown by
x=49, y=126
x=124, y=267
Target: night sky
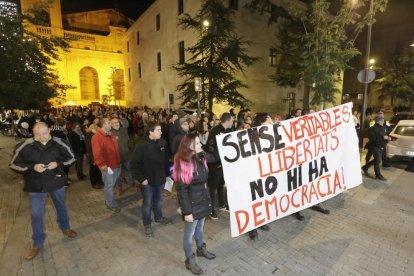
x=131, y=8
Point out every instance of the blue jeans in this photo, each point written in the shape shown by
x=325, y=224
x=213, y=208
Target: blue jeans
x=152, y=197
x=128, y=175
x=37, y=211
x=191, y=229
x=109, y=181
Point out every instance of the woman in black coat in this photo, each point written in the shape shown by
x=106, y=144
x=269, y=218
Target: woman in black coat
x=77, y=141
x=190, y=175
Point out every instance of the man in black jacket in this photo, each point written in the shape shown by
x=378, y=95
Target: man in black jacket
x=377, y=137
x=216, y=178
x=149, y=165
x=41, y=160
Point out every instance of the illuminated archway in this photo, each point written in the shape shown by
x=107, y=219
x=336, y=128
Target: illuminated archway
x=89, y=83
x=118, y=84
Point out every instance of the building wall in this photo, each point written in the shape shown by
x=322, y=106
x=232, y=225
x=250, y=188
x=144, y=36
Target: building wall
x=153, y=87
x=103, y=53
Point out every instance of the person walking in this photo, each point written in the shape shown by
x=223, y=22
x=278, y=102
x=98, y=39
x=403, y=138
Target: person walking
x=107, y=157
x=41, y=160
x=377, y=135
x=190, y=175
x=149, y=166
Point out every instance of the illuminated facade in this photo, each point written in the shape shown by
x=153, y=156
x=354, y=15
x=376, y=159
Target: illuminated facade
x=94, y=64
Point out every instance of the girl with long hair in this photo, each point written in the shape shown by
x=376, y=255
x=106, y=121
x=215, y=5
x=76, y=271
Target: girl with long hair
x=190, y=174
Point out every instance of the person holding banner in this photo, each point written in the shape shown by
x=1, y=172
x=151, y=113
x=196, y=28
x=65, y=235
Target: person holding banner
x=190, y=174
x=259, y=120
x=216, y=178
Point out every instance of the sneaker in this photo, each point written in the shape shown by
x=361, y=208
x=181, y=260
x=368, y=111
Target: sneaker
x=115, y=209
x=163, y=220
x=148, y=231
x=97, y=186
x=213, y=215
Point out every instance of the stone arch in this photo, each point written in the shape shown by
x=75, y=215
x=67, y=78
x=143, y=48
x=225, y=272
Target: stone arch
x=89, y=83
x=118, y=84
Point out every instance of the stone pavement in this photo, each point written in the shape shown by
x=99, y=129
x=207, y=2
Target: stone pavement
x=370, y=231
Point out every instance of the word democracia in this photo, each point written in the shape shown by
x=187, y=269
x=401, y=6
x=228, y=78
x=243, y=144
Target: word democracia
x=271, y=208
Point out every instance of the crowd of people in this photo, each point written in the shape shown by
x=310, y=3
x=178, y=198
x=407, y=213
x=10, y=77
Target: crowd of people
x=138, y=148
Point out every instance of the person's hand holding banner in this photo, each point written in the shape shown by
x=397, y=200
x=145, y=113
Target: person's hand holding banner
x=272, y=171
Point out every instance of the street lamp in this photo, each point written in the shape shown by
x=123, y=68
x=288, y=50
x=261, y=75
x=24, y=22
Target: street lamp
x=371, y=63
x=368, y=53
x=206, y=23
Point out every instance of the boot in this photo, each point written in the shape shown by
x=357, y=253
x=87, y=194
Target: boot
x=203, y=252
x=191, y=264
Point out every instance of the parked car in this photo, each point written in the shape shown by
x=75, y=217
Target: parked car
x=402, y=140
x=400, y=116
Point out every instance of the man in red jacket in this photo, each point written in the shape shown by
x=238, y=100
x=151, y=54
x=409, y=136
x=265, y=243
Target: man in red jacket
x=108, y=159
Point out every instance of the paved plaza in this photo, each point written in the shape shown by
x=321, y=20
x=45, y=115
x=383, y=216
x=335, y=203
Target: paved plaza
x=370, y=231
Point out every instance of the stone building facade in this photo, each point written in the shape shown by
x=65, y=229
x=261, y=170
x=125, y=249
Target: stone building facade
x=152, y=45
x=94, y=63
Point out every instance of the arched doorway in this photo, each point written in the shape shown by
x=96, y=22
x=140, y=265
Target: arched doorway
x=89, y=83
x=118, y=84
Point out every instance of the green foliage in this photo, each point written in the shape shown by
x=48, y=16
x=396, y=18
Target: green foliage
x=397, y=79
x=217, y=56
x=26, y=77
x=314, y=45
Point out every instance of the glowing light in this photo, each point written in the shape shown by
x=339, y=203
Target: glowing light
x=206, y=23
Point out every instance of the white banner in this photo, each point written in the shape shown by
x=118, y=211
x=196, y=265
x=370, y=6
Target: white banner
x=273, y=171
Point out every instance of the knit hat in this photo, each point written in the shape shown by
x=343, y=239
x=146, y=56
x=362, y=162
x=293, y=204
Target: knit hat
x=379, y=118
x=181, y=114
x=182, y=121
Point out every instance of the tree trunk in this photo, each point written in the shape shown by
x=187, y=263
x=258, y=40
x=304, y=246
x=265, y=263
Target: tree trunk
x=306, y=93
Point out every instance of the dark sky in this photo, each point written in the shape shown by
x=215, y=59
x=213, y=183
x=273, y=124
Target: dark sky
x=131, y=8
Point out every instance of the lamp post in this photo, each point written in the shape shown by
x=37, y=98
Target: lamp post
x=367, y=62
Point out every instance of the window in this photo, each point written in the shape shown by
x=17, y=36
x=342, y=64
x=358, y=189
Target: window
x=157, y=22
x=129, y=74
x=159, y=61
x=118, y=84
x=181, y=56
x=234, y=5
x=128, y=46
x=272, y=57
x=137, y=38
x=89, y=83
x=139, y=70
x=180, y=6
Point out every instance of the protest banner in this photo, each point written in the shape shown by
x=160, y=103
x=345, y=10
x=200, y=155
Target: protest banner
x=272, y=171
